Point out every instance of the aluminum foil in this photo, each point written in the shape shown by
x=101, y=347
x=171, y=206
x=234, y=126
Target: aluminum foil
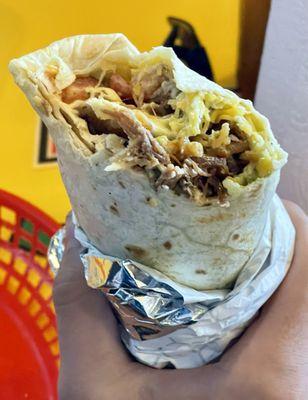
x=164, y=323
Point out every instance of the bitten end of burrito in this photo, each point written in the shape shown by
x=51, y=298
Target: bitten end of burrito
x=148, y=115
x=194, y=138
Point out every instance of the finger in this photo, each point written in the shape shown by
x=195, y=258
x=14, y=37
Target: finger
x=292, y=291
x=76, y=303
x=70, y=239
x=71, y=271
x=257, y=347
x=296, y=214
x=90, y=345
x=282, y=326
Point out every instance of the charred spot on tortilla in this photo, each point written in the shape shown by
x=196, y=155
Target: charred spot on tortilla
x=236, y=236
x=136, y=251
x=217, y=261
x=122, y=185
x=215, y=218
x=167, y=245
x=200, y=271
x=151, y=201
x=114, y=209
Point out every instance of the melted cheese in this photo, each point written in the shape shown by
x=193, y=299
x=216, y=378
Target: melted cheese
x=184, y=131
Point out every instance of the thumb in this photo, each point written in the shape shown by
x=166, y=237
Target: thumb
x=86, y=325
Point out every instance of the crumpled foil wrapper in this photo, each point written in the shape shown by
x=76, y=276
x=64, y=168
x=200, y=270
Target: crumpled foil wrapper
x=164, y=323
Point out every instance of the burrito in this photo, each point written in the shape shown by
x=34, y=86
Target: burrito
x=161, y=165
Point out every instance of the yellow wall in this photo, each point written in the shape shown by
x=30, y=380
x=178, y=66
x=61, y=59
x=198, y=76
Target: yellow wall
x=31, y=24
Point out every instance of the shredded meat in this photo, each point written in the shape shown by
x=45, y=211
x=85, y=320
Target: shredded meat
x=98, y=126
x=229, y=156
x=237, y=147
x=233, y=151
x=208, y=162
x=196, y=174
x=215, y=184
x=234, y=138
x=168, y=177
x=217, y=170
x=155, y=85
x=202, y=174
x=148, y=86
x=215, y=127
x=193, y=176
x=166, y=91
x=142, y=144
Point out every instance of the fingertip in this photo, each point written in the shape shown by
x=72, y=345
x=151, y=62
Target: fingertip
x=69, y=226
x=69, y=216
x=70, y=240
x=296, y=213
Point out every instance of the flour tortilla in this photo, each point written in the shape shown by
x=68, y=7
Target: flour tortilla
x=204, y=247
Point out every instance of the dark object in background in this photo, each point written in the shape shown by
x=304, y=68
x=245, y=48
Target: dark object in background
x=186, y=45
x=254, y=16
x=46, y=149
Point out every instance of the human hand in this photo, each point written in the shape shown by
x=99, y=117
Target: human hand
x=269, y=362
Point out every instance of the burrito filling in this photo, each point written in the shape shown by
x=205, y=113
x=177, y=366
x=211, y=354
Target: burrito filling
x=192, y=143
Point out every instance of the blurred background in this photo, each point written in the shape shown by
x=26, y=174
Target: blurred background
x=257, y=48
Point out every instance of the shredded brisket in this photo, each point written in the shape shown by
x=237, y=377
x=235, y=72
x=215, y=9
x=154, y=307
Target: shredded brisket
x=189, y=175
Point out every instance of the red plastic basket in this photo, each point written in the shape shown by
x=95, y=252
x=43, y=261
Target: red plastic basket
x=29, y=355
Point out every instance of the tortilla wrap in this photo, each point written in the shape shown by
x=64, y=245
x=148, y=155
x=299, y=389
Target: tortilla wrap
x=197, y=219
